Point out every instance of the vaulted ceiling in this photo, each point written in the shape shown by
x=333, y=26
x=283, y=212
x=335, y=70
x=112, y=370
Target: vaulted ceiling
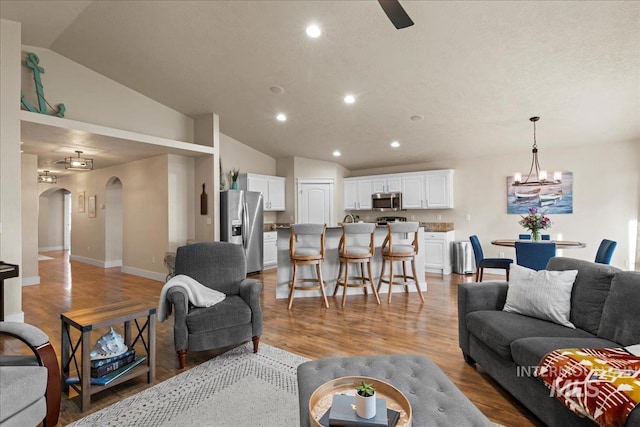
x=475, y=70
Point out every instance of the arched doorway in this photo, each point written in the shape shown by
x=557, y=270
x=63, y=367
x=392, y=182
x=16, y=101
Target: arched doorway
x=113, y=223
x=54, y=220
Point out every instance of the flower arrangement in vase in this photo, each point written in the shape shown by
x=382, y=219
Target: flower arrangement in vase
x=234, y=174
x=365, y=400
x=534, y=222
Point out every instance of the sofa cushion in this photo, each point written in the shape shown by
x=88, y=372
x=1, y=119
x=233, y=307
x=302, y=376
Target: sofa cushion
x=231, y=311
x=590, y=290
x=498, y=329
x=541, y=294
x=528, y=352
x=620, y=317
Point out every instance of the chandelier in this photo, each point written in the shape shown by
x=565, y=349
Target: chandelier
x=78, y=163
x=536, y=176
x=46, y=178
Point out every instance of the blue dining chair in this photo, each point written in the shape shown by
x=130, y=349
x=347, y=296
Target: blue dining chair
x=605, y=251
x=545, y=236
x=524, y=236
x=482, y=262
x=534, y=255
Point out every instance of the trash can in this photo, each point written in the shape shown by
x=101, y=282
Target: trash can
x=463, y=258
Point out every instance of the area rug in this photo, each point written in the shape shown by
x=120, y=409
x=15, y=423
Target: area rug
x=237, y=388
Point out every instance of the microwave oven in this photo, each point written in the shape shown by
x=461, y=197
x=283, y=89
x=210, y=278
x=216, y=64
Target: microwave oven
x=386, y=201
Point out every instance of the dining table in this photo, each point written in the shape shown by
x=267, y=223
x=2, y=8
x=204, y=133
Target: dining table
x=560, y=244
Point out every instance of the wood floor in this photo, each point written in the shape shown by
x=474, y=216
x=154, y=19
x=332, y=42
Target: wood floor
x=362, y=327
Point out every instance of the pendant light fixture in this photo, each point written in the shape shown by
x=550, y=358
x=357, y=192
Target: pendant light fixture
x=78, y=163
x=45, y=178
x=536, y=176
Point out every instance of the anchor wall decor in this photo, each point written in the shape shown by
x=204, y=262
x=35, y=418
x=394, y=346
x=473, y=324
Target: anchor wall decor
x=32, y=62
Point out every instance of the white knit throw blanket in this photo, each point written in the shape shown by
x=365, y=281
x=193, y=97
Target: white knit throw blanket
x=199, y=295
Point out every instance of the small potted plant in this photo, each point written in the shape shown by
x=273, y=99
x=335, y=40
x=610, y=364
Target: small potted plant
x=234, y=178
x=365, y=400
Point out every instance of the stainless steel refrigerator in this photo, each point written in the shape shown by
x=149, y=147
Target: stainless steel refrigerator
x=241, y=222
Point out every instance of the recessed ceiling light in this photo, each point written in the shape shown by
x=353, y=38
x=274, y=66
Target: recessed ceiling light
x=395, y=144
x=313, y=31
x=417, y=117
x=349, y=99
x=281, y=117
x=276, y=89
x=337, y=153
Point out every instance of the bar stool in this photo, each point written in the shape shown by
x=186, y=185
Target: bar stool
x=310, y=251
x=393, y=251
x=353, y=249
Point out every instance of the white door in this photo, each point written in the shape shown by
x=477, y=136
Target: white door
x=315, y=201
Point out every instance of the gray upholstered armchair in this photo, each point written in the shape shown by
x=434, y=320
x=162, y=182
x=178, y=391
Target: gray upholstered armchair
x=237, y=319
x=30, y=384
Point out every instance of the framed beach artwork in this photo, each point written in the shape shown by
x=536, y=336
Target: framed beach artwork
x=81, y=202
x=555, y=198
x=92, y=206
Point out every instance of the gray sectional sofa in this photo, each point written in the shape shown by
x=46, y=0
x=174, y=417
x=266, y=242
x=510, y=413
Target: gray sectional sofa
x=605, y=308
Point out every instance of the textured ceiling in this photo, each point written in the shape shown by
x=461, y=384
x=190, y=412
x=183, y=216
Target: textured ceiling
x=475, y=70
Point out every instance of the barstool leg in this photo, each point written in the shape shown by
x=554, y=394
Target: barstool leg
x=404, y=276
x=346, y=281
x=364, y=279
x=292, y=286
x=335, y=289
x=373, y=288
x=390, y=281
x=321, y=283
x=384, y=264
x=415, y=277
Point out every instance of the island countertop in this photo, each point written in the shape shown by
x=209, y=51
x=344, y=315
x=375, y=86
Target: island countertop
x=331, y=262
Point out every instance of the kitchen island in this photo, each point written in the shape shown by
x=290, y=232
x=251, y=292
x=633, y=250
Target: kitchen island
x=331, y=263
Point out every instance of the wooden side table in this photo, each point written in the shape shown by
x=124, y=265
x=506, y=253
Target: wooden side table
x=88, y=319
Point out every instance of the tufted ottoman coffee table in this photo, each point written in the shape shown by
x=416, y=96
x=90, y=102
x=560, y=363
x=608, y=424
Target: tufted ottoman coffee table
x=435, y=400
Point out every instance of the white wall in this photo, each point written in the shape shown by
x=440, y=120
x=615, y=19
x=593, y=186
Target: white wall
x=294, y=168
x=606, y=197
x=181, y=200
x=10, y=202
x=236, y=155
x=113, y=223
x=29, y=196
x=144, y=211
x=109, y=104
x=50, y=220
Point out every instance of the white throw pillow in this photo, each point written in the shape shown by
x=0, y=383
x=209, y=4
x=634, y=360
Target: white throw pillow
x=541, y=294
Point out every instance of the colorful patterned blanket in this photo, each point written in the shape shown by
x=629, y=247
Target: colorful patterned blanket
x=600, y=383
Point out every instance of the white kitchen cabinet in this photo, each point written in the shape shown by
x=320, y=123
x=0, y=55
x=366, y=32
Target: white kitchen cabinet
x=270, y=249
x=387, y=184
x=357, y=194
x=428, y=190
x=438, y=247
x=413, y=191
x=271, y=187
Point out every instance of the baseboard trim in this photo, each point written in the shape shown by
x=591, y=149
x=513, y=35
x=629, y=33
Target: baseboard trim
x=85, y=260
x=17, y=317
x=28, y=281
x=114, y=263
x=50, y=248
x=144, y=273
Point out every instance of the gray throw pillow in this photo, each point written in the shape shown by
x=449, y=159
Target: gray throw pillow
x=621, y=314
x=543, y=294
x=590, y=290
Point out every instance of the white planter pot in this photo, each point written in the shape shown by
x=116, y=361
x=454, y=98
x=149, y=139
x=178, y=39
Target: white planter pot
x=366, y=406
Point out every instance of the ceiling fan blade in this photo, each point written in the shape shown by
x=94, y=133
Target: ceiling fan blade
x=396, y=13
